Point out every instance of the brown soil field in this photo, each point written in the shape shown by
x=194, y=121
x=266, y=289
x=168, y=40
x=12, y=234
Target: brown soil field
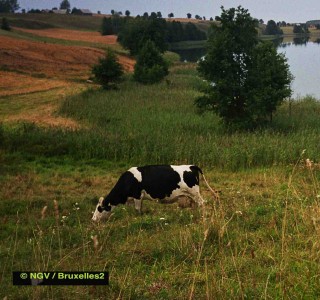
x=51, y=60
x=17, y=84
x=73, y=35
x=37, y=76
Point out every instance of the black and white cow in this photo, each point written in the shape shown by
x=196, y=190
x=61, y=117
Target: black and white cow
x=159, y=182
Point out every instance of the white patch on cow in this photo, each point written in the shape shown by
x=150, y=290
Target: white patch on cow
x=136, y=173
x=184, y=189
x=100, y=216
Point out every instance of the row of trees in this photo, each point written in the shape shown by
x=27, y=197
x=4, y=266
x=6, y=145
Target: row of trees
x=133, y=31
x=273, y=28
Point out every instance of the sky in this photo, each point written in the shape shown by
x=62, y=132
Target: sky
x=290, y=11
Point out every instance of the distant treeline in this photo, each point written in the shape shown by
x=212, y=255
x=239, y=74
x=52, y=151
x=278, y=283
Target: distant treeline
x=173, y=31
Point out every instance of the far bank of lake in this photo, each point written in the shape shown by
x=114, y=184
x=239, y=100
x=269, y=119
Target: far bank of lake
x=302, y=52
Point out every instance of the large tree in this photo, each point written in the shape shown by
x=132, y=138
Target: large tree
x=247, y=79
x=9, y=6
x=65, y=4
x=272, y=28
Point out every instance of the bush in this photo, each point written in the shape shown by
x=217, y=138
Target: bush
x=5, y=24
x=108, y=71
x=150, y=67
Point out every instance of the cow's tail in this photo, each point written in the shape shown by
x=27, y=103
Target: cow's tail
x=214, y=192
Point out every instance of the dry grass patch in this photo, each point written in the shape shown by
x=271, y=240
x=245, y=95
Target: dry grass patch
x=73, y=35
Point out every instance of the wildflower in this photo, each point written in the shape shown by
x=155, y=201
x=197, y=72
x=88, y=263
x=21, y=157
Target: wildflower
x=238, y=212
x=162, y=219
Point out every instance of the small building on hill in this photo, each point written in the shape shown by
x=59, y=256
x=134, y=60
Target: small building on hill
x=60, y=11
x=85, y=12
x=313, y=23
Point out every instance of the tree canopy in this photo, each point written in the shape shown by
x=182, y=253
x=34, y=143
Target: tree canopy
x=247, y=79
x=9, y=6
x=65, y=4
x=272, y=28
x=150, y=67
x=108, y=71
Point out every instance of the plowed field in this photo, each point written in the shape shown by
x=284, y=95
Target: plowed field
x=29, y=67
x=74, y=35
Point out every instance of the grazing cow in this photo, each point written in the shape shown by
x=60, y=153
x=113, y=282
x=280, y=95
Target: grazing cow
x=164, y=183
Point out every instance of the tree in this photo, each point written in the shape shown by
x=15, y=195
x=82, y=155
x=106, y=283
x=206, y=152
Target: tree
x=171, y=15
x=9, y=6
x=150, y=66
x=65, y=4
x=272, y=28
x=106, y=27
x=127, y=13
x=135, y=32
x=108, y=71
x=248, y=79
x=300, y=28
x=189, y=15
x=5, y=24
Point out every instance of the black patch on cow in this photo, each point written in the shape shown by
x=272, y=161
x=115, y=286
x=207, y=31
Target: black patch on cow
x=191, y=178
x=102, y=208
x=159, y=181
x=127, y=186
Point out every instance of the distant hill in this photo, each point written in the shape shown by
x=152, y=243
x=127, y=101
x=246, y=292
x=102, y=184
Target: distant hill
x=47, y=20
x=92, y=23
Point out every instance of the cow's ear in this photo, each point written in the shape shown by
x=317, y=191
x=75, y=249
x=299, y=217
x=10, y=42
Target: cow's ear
x=100, y=209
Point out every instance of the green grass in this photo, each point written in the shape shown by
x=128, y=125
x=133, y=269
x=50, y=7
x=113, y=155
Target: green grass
x=159, y=124
x=259, y=241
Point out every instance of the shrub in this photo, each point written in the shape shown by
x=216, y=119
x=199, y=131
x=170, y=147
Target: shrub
x=150, y=67
x=108, y=71
x=5, y=24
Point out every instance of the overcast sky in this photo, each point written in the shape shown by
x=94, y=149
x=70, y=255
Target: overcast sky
x=291, y=11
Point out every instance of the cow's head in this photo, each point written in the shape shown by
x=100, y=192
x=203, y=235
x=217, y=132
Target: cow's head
x=102, y=212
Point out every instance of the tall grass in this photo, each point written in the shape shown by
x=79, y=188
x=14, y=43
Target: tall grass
x=159, y=124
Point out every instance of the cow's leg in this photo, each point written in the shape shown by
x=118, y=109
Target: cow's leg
x=138, y=205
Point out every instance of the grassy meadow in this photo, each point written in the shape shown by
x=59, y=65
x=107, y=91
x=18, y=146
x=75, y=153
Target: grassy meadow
x=259, y=241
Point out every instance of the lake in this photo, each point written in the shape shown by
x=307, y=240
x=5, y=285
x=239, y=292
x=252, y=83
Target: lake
x=303, y=56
